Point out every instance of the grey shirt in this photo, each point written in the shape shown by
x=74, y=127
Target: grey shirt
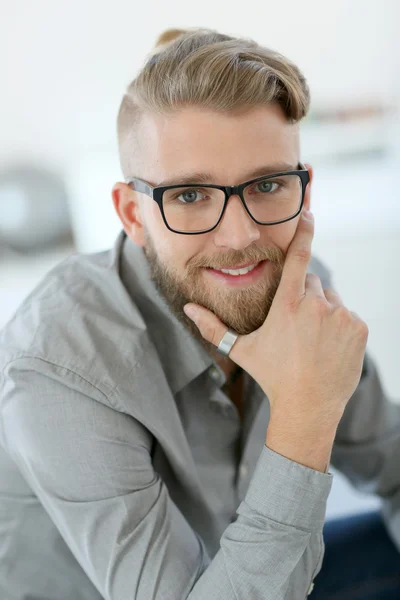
x=125, y=472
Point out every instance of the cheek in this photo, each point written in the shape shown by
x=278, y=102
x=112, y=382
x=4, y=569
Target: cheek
x=287, y=233
x=160, y=235
x=173, y=249
x=283, y=234
x=153, y=217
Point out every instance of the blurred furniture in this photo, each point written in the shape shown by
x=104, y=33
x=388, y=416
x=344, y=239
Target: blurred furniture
x=33, y=207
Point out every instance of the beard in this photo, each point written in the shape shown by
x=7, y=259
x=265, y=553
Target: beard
x=242, y=309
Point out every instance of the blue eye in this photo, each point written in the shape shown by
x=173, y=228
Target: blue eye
x=190, y=196
x=267, y=186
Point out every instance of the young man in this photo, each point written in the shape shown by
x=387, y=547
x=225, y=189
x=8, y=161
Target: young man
x=147, y=455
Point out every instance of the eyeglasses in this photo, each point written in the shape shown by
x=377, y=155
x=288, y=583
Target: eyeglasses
x=196, y=208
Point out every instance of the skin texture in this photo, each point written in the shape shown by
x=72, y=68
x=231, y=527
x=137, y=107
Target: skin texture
x=230, y=147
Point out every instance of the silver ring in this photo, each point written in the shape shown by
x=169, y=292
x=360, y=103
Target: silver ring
x=225, y=345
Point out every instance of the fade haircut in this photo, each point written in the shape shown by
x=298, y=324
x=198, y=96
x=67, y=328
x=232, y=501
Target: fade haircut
x=202, y=67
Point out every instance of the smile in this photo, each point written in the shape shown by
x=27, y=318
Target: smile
x=241, y=271
x=238, y=277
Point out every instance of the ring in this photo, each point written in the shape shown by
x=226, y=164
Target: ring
x=225, y=345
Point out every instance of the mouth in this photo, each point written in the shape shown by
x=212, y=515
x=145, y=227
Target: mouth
x=240, y=275
x=239, y=270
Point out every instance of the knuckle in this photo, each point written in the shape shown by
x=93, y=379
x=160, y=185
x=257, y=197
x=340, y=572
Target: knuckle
x=319, y=304
x=312, y=277
x=342, y=313
x=330, y=292
x=362, y=328
x=348, y=317
x=333, y=296
x=213, y=336
x=292, y=305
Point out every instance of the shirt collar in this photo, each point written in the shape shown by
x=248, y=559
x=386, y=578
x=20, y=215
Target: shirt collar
x=182, y=356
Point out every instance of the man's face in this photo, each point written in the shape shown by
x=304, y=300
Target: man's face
x=185, y=268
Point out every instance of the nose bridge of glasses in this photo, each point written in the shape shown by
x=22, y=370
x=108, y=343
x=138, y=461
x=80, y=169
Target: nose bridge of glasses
x=233, y=190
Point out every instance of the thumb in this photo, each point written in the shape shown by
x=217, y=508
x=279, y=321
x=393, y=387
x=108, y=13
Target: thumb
x=210, y=327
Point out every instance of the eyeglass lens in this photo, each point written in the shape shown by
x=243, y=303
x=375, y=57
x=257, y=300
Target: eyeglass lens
x=198, y=208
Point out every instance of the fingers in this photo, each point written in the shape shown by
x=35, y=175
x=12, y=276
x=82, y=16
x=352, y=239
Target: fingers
x=313, y=285
x=292, y=284
x=210, y=327
x=333, y=297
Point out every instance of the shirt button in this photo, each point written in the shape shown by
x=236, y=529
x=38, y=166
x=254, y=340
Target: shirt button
x=214, y=373
x=243, y=471
x=311, y=589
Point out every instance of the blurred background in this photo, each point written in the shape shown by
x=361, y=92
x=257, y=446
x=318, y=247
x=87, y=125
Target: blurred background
x=64, y=69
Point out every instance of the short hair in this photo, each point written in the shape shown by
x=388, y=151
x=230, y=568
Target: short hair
x=202, y=67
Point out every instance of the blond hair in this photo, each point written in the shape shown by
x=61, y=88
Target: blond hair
x=201, y=67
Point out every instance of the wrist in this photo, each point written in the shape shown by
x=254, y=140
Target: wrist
x=307, y=445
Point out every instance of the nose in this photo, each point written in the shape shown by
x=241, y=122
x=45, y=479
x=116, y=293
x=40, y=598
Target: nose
x=236, y=229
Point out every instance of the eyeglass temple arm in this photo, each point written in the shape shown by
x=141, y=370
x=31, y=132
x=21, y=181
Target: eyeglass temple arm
x=140, y=186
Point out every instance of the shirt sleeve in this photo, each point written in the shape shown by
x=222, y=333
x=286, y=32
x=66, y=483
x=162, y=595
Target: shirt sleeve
x=90, y=466
x=367, y=444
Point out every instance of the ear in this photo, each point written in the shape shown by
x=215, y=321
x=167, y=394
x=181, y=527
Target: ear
x=307, y=195
x=127, y=206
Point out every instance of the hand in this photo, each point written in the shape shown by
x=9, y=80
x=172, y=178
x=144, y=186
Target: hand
x=308, y=354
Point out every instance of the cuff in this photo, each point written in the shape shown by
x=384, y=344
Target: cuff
x=288, y=492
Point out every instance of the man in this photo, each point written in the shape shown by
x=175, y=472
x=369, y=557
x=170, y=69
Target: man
x=146, y=455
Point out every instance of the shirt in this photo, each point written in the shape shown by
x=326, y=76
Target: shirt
x=125, y=471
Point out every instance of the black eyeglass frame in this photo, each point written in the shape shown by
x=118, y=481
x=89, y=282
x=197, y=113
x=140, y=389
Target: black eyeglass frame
x=156, y=193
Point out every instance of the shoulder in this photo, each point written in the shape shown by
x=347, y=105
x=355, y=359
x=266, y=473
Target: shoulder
x=79, y=317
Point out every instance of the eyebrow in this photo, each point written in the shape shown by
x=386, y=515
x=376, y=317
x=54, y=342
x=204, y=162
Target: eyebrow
x=197, y=177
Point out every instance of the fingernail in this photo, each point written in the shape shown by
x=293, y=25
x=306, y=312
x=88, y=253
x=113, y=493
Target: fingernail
x=190, y=311
x=307, y=214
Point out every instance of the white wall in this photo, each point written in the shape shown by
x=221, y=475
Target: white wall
x=65, y=65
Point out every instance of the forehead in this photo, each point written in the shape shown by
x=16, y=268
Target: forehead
x=227, y=145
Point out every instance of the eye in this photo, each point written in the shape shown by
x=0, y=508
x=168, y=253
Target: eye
x=188, y=196
x=267, y=186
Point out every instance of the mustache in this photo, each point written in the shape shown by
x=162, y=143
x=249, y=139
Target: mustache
x=226, y=261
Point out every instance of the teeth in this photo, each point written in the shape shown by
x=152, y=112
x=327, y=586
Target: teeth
x=239, y=271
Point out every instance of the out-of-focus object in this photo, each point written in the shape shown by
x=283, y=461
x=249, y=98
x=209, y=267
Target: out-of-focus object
x=347, y=134
x=34, y=210
x=90, y=178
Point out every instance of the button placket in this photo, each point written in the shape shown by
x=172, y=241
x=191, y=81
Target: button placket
x=214, y=373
